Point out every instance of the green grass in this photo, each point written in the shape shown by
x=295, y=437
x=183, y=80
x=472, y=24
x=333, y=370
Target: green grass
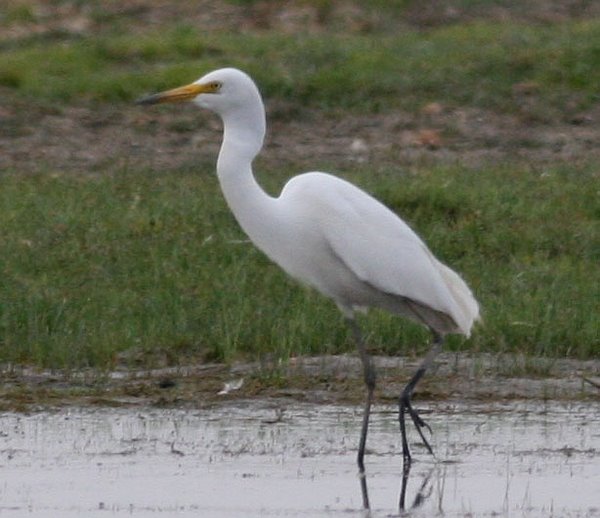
x=153, y=263
x=474, y=63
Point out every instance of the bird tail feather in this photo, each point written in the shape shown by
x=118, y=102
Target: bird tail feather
x=468, y=309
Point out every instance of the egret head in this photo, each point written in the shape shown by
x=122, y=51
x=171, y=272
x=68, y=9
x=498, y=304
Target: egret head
x=222, y=91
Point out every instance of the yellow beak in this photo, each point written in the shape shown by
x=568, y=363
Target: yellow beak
x=183, y=93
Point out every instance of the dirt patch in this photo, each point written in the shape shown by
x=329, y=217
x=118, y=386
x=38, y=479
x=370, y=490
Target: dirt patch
x=317, y=380
x=83, y=139
x=103, y=138
x=38, y=17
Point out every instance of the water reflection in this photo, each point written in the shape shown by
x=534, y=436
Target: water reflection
x=424, y=491
x=522, y=458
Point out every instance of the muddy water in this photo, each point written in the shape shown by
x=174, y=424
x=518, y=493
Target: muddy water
x=269, y=458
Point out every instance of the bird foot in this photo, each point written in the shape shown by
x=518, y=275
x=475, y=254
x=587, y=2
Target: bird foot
x=420, y=424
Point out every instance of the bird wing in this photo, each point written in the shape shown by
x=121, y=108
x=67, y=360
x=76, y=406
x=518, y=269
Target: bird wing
x=383, y=251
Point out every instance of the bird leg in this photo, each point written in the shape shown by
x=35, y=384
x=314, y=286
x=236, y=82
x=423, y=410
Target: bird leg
x=406, y=405
x=370, y=379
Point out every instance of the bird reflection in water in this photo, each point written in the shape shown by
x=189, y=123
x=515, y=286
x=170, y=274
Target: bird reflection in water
x=422, y=494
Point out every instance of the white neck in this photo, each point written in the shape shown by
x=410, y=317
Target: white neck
x=252, y=207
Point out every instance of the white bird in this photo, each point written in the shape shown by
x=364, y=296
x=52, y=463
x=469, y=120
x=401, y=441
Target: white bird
x=331, y=235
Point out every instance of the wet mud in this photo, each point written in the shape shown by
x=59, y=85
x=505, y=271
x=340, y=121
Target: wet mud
x=318, y=380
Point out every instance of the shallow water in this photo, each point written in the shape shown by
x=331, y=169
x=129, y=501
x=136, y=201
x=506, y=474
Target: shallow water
x=267, y=458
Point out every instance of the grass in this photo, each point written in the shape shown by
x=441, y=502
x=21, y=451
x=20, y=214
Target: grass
x=153, y=267
x=155, y=264
x=476, y=64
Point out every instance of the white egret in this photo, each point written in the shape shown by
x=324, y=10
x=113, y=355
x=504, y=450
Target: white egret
x=333, y=236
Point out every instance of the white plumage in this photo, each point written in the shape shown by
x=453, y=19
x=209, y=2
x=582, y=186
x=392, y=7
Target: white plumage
x=368, y=256
x=330, y=234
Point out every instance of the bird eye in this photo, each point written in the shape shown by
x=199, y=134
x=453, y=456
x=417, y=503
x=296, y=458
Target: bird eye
x=215, y=86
